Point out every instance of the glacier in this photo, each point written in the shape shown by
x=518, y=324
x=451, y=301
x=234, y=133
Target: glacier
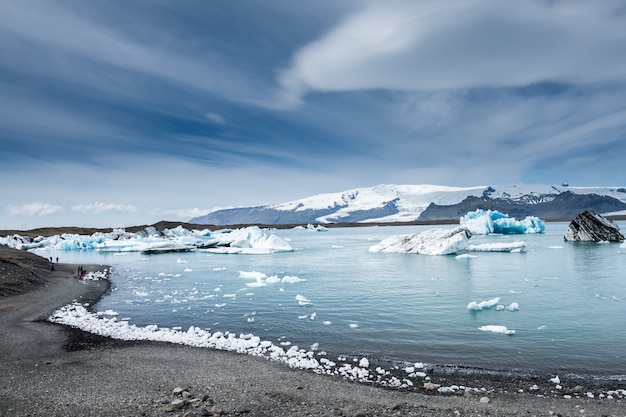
x=486, y=222
x=390, y=203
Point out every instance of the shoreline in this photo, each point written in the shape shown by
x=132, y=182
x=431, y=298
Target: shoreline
x=50, y=369
x=57, y=230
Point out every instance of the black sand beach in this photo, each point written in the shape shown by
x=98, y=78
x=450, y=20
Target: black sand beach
x=52, y=370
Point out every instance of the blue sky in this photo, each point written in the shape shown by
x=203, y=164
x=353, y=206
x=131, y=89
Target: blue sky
x=118, y=113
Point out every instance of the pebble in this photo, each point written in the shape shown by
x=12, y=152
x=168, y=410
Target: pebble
x=216, y=411
x=430, y=386
x=178, y=403
x=484, y=400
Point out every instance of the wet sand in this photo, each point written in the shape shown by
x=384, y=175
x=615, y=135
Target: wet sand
x=52, y=370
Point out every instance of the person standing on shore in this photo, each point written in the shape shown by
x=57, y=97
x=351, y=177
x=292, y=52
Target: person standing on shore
x=51, y=266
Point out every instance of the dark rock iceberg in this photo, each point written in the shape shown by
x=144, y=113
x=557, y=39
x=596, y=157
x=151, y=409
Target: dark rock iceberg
x=589, y=226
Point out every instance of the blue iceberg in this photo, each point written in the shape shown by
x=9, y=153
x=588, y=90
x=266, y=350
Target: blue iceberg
x=486, y=222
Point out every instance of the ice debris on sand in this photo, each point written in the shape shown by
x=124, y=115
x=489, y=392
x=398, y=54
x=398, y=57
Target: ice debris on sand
x=77, y=315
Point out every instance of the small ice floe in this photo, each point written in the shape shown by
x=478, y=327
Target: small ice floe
x=496, y=329
x=555, y=247
x=220, y=305
x=326, y=322
x=303, y=301
x=313, y=315
x=291, y=279
x=252, y=275
x=272, y=280
x=182, y=261
x=473, y=305
x=305, y=316
x=221, y=268
x=250, y=319
x=188, y=270
x=513, y=247
x=353, y=325
x=555, y=380
x=511, y=307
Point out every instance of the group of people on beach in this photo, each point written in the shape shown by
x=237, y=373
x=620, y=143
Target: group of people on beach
x=80, y=272
x=52, y=264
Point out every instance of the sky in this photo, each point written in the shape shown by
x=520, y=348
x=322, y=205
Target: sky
x=118, y=113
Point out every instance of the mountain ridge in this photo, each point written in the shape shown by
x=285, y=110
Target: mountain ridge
x=390, y=203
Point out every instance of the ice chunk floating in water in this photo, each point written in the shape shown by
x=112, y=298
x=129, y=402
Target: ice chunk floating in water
x=481, y=222
x=473, y=305
x=430, y=242
x=496, y=329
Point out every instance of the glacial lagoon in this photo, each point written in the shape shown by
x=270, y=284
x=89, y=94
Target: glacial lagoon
x=556, y=308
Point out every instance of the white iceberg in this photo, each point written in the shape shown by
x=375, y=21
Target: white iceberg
x=499, y=247
x=496, y=329
x=473, y=305
x=430, y=242
x=485, y=222
x=246, y=240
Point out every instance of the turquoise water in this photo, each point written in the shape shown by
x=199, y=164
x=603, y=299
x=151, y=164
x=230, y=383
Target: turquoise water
x=571, y=297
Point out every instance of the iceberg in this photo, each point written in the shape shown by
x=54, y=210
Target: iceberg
x=150, y=240
x=442, y=242
x=430, y=242
x=318, y=228
x=513, y=247
x=473, y=305
x=485, y=222
x=496, y=329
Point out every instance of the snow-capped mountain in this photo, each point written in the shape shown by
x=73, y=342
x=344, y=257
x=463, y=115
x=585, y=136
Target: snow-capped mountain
x=403, y=203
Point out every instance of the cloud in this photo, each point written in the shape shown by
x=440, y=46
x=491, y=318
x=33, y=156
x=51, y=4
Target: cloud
x=431, y=45
x=99, y=208
x=215, y=118
x=34, y=209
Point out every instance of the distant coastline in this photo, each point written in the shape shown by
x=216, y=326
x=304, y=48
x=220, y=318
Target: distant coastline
x=164, y=224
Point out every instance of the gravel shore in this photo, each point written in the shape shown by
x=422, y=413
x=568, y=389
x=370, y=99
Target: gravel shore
x=52, y=370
